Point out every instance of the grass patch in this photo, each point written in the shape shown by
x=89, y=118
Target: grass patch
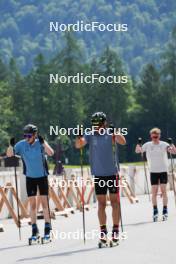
x=140, y=163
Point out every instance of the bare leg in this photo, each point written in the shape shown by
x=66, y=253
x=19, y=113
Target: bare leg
x=154, y=194
x=164, y=194
x=101, y=209
x=33, y=209
x=44, y=201
x=115, y=209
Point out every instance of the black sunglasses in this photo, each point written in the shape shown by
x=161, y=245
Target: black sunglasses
x=28, y=135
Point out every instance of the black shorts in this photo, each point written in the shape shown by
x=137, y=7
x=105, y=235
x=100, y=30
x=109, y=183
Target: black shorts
x=105, y=183
x=34, y=184
x=158, y=178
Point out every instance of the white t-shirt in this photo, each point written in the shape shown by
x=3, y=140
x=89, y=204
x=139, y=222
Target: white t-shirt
x=156, y=156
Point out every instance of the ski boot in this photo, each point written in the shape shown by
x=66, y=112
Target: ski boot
x=155, y=214
x=103, y=237
x=115, y=237
x=35, y=238
x=47, y=234
x=165, y=213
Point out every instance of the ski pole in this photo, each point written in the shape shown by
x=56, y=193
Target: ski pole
x=82, y=181
x=118, y=197
x=41, y=140
x=169, y=140
x=12, y=143
x=145, y=171
x=114, y=146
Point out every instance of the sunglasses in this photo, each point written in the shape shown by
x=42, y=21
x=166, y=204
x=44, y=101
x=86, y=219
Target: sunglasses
x=28, y=135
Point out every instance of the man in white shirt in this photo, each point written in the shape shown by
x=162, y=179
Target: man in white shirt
x=156, y=153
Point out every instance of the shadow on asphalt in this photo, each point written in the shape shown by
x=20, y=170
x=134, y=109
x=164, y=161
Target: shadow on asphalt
x=63, y=254
x=142, y=223
x=12, y=247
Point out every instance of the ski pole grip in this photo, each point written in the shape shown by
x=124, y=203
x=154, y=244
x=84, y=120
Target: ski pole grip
x=12, y=142
x=80, y=133
x=170, y=141
x=140, y=141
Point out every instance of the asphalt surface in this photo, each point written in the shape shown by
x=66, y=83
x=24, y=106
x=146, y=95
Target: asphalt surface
x=146, y=242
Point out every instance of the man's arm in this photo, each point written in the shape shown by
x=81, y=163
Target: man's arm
x=48, y=149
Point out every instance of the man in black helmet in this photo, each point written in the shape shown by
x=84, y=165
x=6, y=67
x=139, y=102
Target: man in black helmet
x=32, y=150
x=104, y=167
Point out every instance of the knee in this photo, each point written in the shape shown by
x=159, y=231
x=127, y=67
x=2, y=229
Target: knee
x=154, y=192
x=114, y=204
x=45, y=206
x=164, y=193
x=102, y=205
x=33, y=206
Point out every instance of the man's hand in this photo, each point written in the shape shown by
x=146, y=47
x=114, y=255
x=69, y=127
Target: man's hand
x=10, y=152
x=172, y=149
x=120, y=139
x=138, y=149
x=80, y=142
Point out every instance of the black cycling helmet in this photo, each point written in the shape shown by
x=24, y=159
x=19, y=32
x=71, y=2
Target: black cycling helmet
x=98, y=118
x=30, y=129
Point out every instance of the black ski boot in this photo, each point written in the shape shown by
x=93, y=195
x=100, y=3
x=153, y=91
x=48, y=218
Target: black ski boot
x=47, y=233
x=115, y=236
x=103, y=237
x=155, y=214
x=165, y=213
x=35, y=238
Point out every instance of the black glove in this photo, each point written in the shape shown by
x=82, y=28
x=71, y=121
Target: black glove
x=41, y=139
x=12, y=142
x=112, y=128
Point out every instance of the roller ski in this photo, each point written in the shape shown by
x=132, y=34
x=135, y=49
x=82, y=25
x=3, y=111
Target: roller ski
x=115, y=237
x=103, y=243
x=47, y=234
x=165, y=213
x=35, y=238
x=155, y=214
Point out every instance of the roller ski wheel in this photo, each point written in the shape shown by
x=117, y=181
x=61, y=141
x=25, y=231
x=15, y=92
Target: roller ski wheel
x=165, y=217
x=33, y=240
x=46, y=239
x=114, y=243
x=103, y=243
